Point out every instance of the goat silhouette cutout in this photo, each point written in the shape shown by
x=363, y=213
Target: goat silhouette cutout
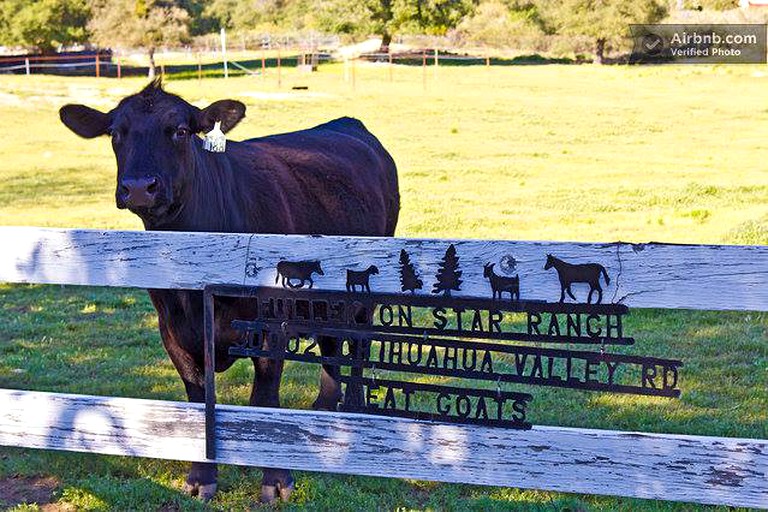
x=501, y=284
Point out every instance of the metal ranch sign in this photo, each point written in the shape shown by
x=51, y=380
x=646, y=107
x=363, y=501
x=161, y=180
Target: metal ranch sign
x=439, y=357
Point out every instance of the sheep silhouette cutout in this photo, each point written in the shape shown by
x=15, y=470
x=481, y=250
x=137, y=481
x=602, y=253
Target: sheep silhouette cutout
x=501, y=284
x=297, y=270
x=361, y=278
x=570, y=273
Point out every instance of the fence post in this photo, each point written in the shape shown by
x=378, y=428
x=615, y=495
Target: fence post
x=98, y=65
x=26, y=65
x=390, y=66
x=279, y=69
x=119, y=68
x=224, y=51
x=424, y=68
x=199, y=68
x=263, y=63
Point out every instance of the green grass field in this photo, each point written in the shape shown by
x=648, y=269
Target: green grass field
x=671, y=154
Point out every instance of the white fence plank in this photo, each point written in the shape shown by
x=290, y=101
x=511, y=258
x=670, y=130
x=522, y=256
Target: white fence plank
x=642, y=275
x=696, y=469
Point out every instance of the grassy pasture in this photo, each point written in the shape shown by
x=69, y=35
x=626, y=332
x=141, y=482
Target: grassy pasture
x=673, y=154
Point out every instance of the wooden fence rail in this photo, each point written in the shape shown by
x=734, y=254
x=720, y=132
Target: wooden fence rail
x=697, y=469
x=633, y=464
x=711, y=277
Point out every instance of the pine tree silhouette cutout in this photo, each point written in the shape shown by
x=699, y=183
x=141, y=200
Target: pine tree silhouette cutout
x=409, y=280
x=448, y=273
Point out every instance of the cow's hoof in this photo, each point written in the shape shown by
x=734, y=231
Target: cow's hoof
x=271, y=493
x=325, y=405
x=203, y=491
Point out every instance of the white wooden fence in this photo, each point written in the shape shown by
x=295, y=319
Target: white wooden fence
x=698, y=469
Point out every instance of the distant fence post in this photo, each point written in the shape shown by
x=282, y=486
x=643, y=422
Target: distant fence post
x=26, y=65
x=199, y=67
x=436, y=59
x=279, y=69
x=119, y=68
x=98, y=65
x=224, y=51
x=346, y=68
x=263, y=63
x=390, y=66
x=424, y=69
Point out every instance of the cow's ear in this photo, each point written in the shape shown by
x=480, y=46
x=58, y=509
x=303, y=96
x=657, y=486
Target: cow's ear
x=229, y=112
x=85, y=121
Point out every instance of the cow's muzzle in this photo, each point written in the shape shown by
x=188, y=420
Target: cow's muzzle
x=138, y=193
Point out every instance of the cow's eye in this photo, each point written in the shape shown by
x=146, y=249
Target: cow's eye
x=181, y=132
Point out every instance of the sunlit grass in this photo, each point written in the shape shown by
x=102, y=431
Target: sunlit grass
x=675, y=154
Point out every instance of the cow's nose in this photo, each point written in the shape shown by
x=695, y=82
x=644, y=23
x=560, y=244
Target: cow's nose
x=138, y=192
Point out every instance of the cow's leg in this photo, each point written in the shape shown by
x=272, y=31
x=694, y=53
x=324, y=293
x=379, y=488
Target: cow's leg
x=330, y=389
x=201, y=480
x=174, y=310
x=275, y=483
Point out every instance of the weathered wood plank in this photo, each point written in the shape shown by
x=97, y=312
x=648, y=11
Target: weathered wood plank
x=696, y=469
x=642, y=275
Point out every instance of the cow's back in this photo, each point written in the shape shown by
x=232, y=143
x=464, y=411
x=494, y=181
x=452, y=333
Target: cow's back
x=335, y=178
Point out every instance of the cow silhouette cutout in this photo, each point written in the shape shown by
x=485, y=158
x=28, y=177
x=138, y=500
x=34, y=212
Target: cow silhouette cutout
x=361, y=278
x=297, y=270
x=501, y=284
x=570, y=273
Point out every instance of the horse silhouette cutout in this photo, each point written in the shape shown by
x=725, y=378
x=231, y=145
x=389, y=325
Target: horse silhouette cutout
x=361, y=278
x=501, y=284
x=570, y=273
x=297, y=270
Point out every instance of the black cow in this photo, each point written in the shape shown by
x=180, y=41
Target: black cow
x=333, y=179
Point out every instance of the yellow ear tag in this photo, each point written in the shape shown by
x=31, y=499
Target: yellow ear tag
x=215, y=141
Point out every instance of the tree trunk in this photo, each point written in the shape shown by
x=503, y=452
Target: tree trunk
x=600, y=51
x=152, y=67
x=386, y=39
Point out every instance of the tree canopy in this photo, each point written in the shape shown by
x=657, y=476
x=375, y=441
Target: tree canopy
x=148, y=24
x=43, y=24
x=140, y=24
x=605, y=21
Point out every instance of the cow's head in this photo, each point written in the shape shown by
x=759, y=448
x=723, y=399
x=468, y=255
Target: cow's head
x=155, y=143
